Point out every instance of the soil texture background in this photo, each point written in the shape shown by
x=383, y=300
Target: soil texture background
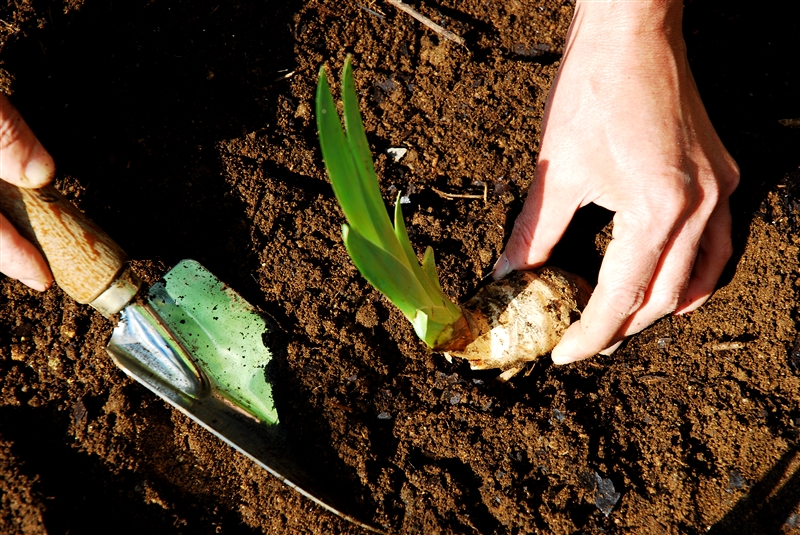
x=185, y=129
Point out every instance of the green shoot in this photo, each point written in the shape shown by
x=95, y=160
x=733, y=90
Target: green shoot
x=381, y=252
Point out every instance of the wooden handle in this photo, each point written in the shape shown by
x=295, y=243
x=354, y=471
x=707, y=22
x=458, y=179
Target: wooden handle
x=83, y=259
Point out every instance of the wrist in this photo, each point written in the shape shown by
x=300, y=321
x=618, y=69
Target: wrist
x=619, y=22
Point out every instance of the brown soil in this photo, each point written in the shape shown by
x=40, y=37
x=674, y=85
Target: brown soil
x=185, y=130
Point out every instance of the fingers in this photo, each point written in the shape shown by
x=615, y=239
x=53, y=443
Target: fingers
x=670, y=279
x=630, y=263
x=547, y=211
x=702, y=252
x=19, y=259
x=23, y=160
x=715, y=250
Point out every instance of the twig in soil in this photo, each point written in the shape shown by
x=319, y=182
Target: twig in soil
x=373, y=12
x=652, y=378
x=285, y=76
x=10, y=26
x=508, y=374
x=447, y=34
x=461, y=195
x=339, y=406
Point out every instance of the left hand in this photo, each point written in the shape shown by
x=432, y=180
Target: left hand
x=25, y=163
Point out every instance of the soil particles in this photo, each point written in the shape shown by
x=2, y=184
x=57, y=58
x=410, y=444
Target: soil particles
x=185, y=129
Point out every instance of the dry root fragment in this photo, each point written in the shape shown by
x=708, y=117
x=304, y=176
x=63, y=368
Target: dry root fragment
x=520, y=318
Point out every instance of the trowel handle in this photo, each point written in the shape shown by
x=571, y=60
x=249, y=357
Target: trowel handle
x=84, y=260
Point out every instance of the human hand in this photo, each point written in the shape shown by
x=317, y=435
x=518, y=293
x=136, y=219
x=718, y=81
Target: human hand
x=625, y=128
x=25, y=163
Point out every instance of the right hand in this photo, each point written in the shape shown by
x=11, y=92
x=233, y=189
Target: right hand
x=25, y=163
x=625, y=129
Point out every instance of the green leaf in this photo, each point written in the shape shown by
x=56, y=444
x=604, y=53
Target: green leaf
x=401, y=233
x=429, y=267
x=382, y=252
x=340, y=163
x=389, y=275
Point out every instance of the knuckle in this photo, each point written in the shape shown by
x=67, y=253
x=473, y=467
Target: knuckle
x=10, y=127
x=664, y=304
x=675, y=197
x=730, y=179
x=725, y=250
x=624, y=301
x=724, y=178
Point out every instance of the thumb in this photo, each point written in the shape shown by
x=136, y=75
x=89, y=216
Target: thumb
x=544, y=218
x=23, y=160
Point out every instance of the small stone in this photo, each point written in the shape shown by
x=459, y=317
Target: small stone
x=794, y=355
x=78, y=413
x=396, y=153
x=384, y=416
x=735, y=481
x=67, y=332
x=16, y=354
x=664, y=342
x=606, y=496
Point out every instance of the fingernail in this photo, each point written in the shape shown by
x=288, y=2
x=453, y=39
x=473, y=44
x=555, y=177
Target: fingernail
x=567, y=350
x=560, y=360
x=39, y=170
x=562, y=355
x=607, y=352
x=39, y=286
x=501, y=268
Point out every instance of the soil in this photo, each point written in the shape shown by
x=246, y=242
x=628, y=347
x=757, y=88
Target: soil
x=185, y=130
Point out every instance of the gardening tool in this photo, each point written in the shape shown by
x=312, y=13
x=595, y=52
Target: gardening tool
x=190, y=339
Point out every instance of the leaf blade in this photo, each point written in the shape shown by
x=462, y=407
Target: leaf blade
x=339, y=162
x=385, y=272
x=429, y=267
x=362, y=158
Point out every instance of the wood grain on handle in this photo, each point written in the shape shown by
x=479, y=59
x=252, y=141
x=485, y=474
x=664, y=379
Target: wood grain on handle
x=83, y=259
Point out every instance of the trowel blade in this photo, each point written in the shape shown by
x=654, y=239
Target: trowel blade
x=200, y=346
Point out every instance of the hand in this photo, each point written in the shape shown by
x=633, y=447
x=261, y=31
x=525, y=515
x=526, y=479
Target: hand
x=625, y=128
x=25, y=163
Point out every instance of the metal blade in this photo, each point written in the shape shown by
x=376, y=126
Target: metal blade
x=200, y=346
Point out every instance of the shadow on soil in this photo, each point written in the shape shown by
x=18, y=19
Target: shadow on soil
x=132, y=98
x=81, y=494
x=768, y=507
x=742, y=60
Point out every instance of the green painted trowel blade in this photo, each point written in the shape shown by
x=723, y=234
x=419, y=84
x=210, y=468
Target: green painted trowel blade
x=200, y=346
x=221, y=331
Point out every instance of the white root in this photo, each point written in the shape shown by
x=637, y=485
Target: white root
x=521, y=318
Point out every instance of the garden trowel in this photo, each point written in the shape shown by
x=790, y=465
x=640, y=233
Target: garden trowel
x=190, y=339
